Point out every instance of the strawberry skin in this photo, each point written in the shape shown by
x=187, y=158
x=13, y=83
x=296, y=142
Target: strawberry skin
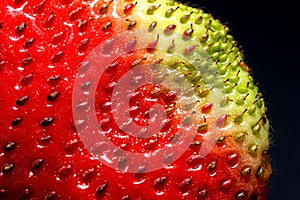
x=44, y=43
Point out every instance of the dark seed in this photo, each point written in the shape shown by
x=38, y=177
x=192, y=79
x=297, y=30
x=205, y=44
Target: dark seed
x=186, y=182
x=20, y=29
x=185, y=18
x=125, y=197
x=156, y=91
x=246, y=171
x=168, y=158
x=189, y=49
x=202, y=127
x=2, y=64
x=88, y=173
x=54, y=79
x=71, y=145
x=39, y=7
x=47, y=121
x=240, y=137
x=65, y=170
x=188, y=33
x=53, y=96
x=152, y=9
x=221, y=139
x=207, y=107
x=265, y=155
x=238, y=119
x=25, y=194
x=83, y=105
x=208, y=23
x=160, y=181
x=254, y=197
x=204, y=38
x=212, y=166
x=57, y=38
x=141, y=169
x=260, y=172
x=103, y=9
x=3, y=190
x=170, y=29
x=105, y=123
x=198, y=20
x=7, y=168
x=49, y=21
x=241, y=195
x=75, y=14
x=106, y=26
x=226, y=184
x=170, y=12
x=253, y=149
x=101, y=188
x=171, y=96
x=264, y=120
x=107, y=47
x=110, y=86
x=232, y=159
x=131, y=25
x=171, y=47
x=152, y=45
x=9, y=146
x=27, y=61
x=57, y=57
x=122, y=162
x=86, y=85
x=222, y=120
x=17, y=121
x=46, y=138
x=130, y=45
x=83, y=25
x=128, y=8
x=37, y=163
x=66, y=1
x=196, y=143
x=21, y=101
x=256, y=129
x=106, y=106
x=202, y=193
x=137, y=62
x=17, y=1
x=29, y=42
x=52, y=195
x=83, y=44
x=152, y=26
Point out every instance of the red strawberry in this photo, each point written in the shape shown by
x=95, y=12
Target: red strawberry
x=46, y=47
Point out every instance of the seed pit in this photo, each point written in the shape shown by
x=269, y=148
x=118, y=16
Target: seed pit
x=20, y=28
x=9, y=146
x=22, y=100
x=46, y=121
x=53, y=96
x=37, y=163
x=101, y=189
x=29, y=43
x=7, y=168
x=17, y=121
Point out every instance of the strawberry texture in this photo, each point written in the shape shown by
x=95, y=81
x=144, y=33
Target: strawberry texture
x=43, y=45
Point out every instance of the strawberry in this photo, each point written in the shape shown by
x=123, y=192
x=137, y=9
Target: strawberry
x=58, y=73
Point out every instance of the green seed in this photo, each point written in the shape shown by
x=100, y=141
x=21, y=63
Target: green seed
x=240, y=137
x=256, y=129
x=260, y=172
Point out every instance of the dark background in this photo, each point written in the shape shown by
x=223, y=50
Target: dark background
x=268, y=33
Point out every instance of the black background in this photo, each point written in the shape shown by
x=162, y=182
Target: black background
x=268, y=32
